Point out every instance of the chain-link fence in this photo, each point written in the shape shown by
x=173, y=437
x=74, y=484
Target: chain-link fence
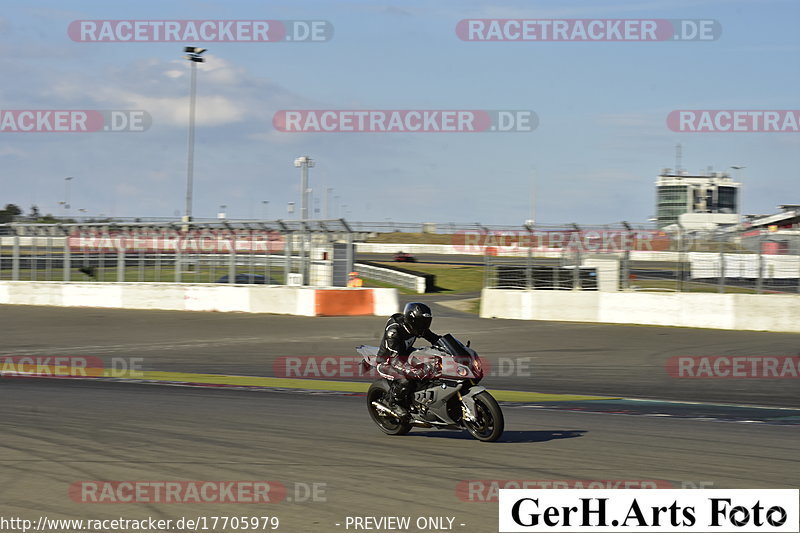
x=642, y=259
x=318, y=252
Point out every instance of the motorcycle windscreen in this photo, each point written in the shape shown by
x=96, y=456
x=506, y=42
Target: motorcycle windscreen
x=461, y=354
x=453, y=345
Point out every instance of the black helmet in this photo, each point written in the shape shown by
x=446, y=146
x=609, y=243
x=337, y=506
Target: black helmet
x=418, y=317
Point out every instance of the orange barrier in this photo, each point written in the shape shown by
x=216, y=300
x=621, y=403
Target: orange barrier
x=342, y=302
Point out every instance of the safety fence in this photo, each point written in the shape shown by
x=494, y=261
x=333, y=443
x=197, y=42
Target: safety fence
x=641, y=259
x=316, y=252
x=321, y=253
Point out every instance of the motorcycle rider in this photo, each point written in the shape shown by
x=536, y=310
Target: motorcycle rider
x=401, y=330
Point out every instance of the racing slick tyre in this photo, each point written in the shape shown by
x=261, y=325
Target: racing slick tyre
x=489, y=423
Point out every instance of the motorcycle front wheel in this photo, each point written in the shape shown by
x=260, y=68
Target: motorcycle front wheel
x=391, y=425
x=489, y=423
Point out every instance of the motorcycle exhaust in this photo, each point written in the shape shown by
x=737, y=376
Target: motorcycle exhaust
x=383, y=409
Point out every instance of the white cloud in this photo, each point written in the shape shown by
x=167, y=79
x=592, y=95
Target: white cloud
x=10, y=151
x=226, y=93
x=212, y=110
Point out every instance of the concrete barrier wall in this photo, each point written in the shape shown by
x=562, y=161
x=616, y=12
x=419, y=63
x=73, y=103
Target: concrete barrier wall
x=447, y=249
x=507, y=251
x=754, y=312
x=303, y=301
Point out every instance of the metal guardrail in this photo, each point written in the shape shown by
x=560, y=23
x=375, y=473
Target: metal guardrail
x=406, y=280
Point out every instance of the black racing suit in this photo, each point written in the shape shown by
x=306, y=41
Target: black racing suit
x=396, y=346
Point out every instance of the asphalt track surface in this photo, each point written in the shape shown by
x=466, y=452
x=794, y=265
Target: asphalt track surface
x=56, y=432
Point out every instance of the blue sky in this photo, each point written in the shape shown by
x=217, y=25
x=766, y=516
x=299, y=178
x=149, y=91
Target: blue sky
x=602, y=136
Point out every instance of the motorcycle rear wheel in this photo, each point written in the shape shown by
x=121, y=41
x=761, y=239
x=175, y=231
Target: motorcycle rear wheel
x=490, y=422
x=391, y=425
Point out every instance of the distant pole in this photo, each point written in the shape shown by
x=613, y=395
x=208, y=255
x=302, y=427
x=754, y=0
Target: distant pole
x=193, y=55
x=328, y=192
x=66, y=193
x=533, y=198
x=304, y=163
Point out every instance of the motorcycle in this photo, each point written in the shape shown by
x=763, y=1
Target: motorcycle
x=449, y=398
x=403, y=257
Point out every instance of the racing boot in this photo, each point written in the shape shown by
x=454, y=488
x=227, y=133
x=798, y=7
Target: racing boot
x=397, y=399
